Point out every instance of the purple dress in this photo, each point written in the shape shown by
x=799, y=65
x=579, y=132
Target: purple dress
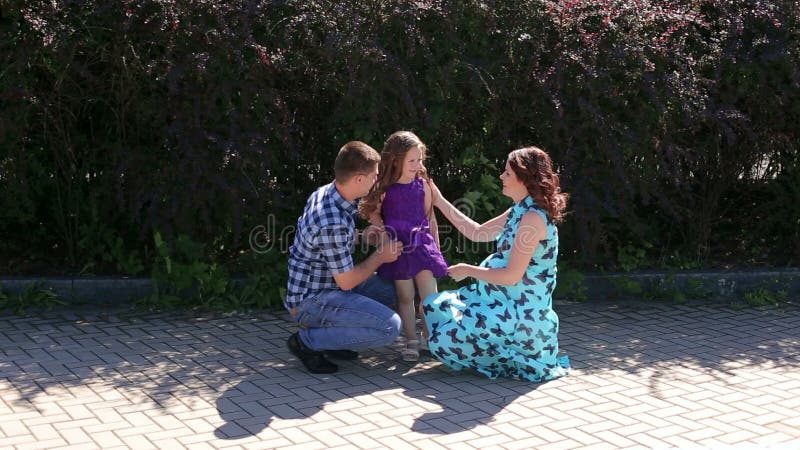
x=403, y=212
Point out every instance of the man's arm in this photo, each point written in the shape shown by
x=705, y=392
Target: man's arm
x=385, y=253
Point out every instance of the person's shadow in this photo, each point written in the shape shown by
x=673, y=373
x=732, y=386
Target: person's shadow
x=464, y=399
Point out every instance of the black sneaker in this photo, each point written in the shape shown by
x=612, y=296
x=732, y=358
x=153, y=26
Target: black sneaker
x=314, y=361
x=346, y=355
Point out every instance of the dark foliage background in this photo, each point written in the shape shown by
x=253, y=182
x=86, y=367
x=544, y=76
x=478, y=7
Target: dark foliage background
x=673, y=123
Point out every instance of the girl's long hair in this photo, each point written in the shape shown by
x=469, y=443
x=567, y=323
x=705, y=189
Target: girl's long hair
x=534, y=168
x=390, y=168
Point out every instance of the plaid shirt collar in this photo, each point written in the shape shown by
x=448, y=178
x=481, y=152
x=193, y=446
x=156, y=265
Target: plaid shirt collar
x=339, y=201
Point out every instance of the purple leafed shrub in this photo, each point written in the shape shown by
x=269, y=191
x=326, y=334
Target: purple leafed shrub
x=673, y=123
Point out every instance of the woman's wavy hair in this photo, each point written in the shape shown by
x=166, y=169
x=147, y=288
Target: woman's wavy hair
x=390, y=168
x=534, y=168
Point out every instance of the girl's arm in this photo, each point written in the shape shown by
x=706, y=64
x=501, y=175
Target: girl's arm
x=531, y=230
x=473, y=231
x=434, y=228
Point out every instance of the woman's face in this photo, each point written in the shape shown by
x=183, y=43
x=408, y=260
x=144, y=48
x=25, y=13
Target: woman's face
x=512, y=185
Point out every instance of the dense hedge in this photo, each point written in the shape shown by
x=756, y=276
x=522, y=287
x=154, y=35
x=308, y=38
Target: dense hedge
x=674, y=124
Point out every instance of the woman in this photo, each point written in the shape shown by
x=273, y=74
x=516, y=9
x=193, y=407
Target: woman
x=504, y=324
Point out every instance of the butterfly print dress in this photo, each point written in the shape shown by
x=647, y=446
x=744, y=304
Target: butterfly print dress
x=509, y=331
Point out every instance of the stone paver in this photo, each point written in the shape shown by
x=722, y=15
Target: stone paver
x=644, y=376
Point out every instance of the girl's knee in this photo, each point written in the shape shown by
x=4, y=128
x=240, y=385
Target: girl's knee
x=405, y=300
x=430, y=299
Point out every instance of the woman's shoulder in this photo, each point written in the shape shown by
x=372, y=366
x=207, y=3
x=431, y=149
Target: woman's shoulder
x=531, y=218
x=527, y=204
x=529, y=208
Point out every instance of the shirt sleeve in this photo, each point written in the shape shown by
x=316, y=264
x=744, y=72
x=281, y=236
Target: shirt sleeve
x=336, y=245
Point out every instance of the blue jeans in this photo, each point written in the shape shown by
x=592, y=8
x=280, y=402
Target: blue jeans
x=353, y=320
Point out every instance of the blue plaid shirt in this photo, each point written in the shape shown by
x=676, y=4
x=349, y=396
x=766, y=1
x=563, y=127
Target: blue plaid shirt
x=323, y=245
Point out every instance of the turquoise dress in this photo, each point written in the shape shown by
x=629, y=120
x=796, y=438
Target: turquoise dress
x=498, y=330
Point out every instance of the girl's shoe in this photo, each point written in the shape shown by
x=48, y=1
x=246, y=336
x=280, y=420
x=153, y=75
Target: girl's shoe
x=411, y=351
x=423, y=344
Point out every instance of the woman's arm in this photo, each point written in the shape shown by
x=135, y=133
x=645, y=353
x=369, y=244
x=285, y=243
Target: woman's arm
x=473, y=231
x=531, y=230
x=430, y=213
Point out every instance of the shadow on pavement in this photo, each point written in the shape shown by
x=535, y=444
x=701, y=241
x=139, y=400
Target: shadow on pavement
x=169, y=359
x=461, y=401
x=241, y=365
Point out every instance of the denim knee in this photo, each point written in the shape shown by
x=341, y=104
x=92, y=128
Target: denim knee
x=392, y=329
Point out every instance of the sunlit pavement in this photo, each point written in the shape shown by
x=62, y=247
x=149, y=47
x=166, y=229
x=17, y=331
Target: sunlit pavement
x=644, y=376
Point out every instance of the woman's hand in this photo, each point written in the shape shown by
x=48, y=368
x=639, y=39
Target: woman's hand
x=459, y=271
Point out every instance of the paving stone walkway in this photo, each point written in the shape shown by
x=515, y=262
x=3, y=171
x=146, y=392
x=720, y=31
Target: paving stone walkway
x=645, y=376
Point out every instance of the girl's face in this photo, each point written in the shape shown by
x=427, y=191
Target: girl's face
x=412, y=164
x=512, y=185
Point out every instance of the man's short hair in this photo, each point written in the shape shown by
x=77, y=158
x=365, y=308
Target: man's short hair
x=355, y=158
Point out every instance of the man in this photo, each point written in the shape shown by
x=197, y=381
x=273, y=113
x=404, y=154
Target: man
x=340, y=306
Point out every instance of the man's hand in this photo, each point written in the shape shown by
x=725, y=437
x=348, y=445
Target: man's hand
x=459, y=271
x=388, y=251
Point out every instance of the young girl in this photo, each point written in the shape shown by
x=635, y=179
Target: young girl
x=401, y=201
